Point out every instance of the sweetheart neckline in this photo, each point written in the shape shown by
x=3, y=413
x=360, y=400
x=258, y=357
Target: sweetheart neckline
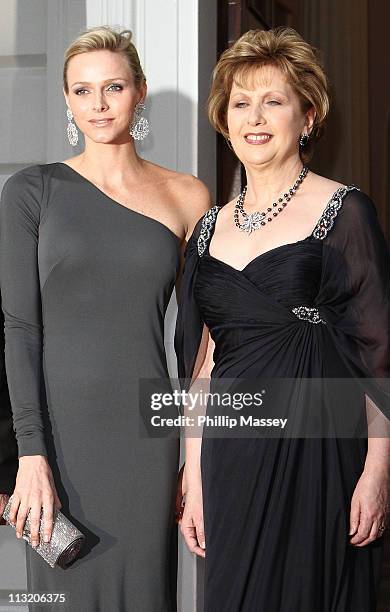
x=260, y=255
x=211, y=231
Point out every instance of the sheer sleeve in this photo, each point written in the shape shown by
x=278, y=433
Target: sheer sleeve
x=20, y=208
x=190, y=337
x=355, y=294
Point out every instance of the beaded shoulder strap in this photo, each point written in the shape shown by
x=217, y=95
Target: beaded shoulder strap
x=205, y=231
x=325, y=222
x=324, y=225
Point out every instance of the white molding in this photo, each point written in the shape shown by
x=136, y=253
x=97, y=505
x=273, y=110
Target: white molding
x=23, y=126
x=187, y=86
x=110, y=12
x=207, y=56
x=124, y=14
x=66, y=18
x=139, y=28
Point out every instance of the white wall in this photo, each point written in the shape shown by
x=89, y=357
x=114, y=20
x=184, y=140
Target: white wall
x=23, y=31
x=166, y=34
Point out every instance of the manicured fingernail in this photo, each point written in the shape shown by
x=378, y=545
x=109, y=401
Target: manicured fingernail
x=203, y=545
x=35, y=543
x=18, y=534
x=46, y=538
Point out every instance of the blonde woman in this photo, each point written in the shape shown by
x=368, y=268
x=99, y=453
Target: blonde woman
x=292, y=280
x=90, y=250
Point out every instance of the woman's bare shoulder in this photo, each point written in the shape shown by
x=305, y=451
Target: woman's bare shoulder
x=321, y=185
x=188, y=194
x=177, y=180
x=194, y=200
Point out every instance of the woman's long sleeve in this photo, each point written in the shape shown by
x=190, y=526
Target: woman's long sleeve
x=356, y=294
x=20, y=210
x=8, y=445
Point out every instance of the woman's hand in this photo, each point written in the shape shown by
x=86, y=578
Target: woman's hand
x=191, y=524
x=34, y=489
x=369, y=506
x=180, y=493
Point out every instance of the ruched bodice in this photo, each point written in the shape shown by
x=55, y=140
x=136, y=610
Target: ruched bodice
x=288, y=275
x=242, y=306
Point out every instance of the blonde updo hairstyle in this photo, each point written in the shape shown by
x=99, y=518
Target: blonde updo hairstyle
x=105, y=37
x=285, y=49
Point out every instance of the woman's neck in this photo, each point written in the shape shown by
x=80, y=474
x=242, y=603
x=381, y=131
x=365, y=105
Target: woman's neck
x=112, y=164
x=266, y=185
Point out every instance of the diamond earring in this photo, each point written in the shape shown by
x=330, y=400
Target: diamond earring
x=139, y=127
x=304, y=139
x=73, y=135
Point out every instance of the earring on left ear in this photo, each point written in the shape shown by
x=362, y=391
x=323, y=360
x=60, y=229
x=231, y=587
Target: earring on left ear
x=139, y=127
x=304, y=139
x=73, y=135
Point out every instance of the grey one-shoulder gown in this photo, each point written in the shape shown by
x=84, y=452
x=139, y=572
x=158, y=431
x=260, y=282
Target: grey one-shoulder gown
x=85, y=285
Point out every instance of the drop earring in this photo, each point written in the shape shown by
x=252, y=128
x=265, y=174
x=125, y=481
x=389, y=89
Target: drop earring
x=73, y=135
x=304, y=139
x=139, y=127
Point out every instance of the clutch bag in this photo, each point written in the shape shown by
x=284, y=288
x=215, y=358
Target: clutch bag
x=65, y=542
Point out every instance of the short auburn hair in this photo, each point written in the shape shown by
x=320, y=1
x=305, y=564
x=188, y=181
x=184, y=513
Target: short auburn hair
x=285, y=49
x=105, y=37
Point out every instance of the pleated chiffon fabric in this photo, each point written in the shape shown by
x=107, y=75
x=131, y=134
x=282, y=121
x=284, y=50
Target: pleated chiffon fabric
x=276, y=509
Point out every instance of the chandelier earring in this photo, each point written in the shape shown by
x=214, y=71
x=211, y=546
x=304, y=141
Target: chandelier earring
x=73, y=135
x=139, y=127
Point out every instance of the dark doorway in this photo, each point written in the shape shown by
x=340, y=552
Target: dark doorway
x=353, y=40
x=234, y=18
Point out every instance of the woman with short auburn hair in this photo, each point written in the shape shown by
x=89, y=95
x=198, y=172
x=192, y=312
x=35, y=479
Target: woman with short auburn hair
x=290, y=281
x=295, y=59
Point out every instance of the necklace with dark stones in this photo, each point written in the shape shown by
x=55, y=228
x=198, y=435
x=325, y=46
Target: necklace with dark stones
x=256, y=220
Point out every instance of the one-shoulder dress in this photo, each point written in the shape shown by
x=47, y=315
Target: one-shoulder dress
x=277, y=508
x=85, y=286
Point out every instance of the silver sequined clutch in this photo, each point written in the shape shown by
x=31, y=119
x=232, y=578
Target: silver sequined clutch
x=65, y=542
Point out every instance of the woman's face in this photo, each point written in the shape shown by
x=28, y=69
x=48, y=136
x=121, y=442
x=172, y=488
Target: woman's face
x=101, y=86
x=265, y=119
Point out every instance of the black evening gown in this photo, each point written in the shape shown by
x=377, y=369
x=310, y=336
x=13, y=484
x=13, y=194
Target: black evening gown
x=276, y=510
x=85, y=285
